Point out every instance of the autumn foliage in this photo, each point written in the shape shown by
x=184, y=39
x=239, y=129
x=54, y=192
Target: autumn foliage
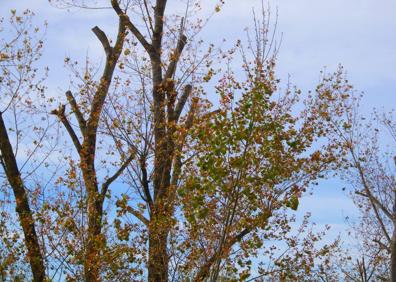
x=165, y=166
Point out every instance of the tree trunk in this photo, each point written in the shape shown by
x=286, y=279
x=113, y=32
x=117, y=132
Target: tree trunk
x=393, y=241
x=393, y=256
x=158, y=256
x=158, y=240
x=95, y=242
x=22, y=205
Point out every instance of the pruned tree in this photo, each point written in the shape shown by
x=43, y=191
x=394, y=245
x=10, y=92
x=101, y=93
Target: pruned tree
x=86, y=149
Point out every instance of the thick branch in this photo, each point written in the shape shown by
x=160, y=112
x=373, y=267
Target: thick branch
x=103, y=39
x=60, y=113
x=92, y=260
x=139, y=216
x=140, y=37
x=80, y=118
x=103, y=88
x=159, y=12
x=174, y=59
x=182, y=101
x=145, y=181
x=177, y=161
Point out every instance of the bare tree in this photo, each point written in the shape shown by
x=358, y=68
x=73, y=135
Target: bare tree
x=370, y=169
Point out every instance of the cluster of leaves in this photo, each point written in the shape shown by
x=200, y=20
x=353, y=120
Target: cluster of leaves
x=260, y=159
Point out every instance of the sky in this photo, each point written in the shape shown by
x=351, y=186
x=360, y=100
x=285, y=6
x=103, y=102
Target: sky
x=316, y=35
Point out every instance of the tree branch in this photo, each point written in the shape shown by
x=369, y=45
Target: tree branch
x=377, y=203
x=80, y=118
x=182, y=101
x=106, y=184
x=135, y=31
x=174, y=59
x=145, y=181
x=177, y=161
x=103, y=39
x=382, y=245
x=159, y=12
x=103, y=87
x=205, y=269
x=22, y=206
x=139, y=216
x=60, y=113
x=373, y=200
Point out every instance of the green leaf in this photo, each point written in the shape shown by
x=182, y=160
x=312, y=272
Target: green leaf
x=293, y=203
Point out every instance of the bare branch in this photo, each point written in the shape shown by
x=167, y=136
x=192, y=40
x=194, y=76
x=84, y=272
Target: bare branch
x=159, y=12
x=80, y=118
x=103, y=87
x=182, y=101
x=145, y=181
x=106, y=184
x=177, y=160
x=103, y=39
x=376, y=202
x=60, y=113
x=382, y=245
x=174, y=59
x=139, y=216
x=135, y=31
x=150, y=20
x=373, y=200
x=22, y=205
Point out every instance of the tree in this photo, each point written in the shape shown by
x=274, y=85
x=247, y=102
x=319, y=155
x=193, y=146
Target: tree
x=369, y=168
x=166, y=108
x=20, y=48
x=87, y=150
x=260, y=159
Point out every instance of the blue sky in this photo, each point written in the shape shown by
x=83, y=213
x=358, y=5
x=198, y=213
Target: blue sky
x=317, y=34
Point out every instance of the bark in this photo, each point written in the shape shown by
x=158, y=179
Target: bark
x=393, y=241
x=158, y=255
x=158, y=258
x=22, y=205
x=393, y=257
x=95, y=239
